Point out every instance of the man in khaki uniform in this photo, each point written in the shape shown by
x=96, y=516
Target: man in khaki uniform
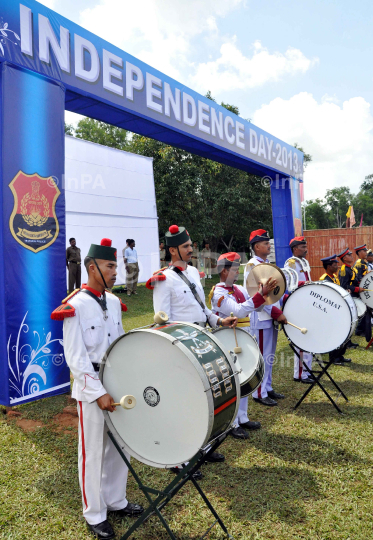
x=195, y=255
x=162, y=254
x=206, y=259
x=74, y=266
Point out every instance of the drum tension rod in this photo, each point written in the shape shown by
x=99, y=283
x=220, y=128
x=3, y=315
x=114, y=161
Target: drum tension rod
x=225, y=379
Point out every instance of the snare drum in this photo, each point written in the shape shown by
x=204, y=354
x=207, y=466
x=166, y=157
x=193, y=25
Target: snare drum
x=249, y=362
x=326, y=310
x=186, y=388
x=360, y=306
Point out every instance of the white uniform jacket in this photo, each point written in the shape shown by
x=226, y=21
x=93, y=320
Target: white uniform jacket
x=264, y=318
x=303, y=275
x=86, y=338
x=175, y=298
x=224, y=303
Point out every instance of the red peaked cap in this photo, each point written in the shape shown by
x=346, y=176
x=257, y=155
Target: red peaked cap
x=106, y=242
x=227, y=260
x=297, y=241
x=259, y=236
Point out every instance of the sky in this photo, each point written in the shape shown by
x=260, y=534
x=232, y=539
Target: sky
x=300, y=70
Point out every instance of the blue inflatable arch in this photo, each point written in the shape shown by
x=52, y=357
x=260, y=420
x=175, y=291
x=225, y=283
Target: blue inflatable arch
x=49, y=64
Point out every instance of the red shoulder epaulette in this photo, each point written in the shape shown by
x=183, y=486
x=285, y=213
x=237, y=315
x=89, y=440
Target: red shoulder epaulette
x=63, y=312
x=69, y=297
x=158, y=276
x=123, y=306
x=202, y=275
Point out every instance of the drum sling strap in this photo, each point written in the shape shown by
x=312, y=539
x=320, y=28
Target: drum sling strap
x=103, y=305
x=192, y=287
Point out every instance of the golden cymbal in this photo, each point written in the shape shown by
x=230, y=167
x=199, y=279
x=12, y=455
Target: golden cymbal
x=260, y=274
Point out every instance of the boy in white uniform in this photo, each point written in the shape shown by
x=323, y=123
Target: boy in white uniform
x=299, y=263
x=229, y=298
x=261, y=323
x=92, y=320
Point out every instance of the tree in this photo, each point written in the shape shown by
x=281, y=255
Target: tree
x=317, y=214
x=307, y=158
x=69, y=130
x=101, y=133
x=338, y=200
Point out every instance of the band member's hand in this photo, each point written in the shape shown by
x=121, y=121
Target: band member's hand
x=361, y=289
x=267, y=287
x=105, y=403
x=282, y=319
x=229, y=321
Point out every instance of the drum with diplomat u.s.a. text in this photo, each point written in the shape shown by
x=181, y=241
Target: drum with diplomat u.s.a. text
x=326, y=310
x=186, y=388
x=249, y=362
x=367, y=295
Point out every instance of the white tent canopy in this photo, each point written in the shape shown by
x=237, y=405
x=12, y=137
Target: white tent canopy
x=110, y=194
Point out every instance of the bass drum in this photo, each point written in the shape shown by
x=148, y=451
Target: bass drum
x=367, y=283
x=186, y=388
x=360, y=307
x=249, y=362
x=326, y=310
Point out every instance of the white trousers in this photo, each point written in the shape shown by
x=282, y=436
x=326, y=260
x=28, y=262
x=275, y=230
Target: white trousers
x=242, y=417
x=102, y=471
x=267, y=341
x=305, y=358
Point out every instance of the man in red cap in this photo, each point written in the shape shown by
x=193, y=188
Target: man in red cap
x=261, y=323
x=364, y=327
x=299, y=263
x=227, y=297
x=177, y=299
x=92, y=320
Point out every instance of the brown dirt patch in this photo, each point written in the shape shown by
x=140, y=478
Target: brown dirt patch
x=29, y=425
x=71, y=410
x=66, y=420
x=14, y=414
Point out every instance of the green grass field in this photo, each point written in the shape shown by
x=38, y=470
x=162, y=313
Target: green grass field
x=304, y=475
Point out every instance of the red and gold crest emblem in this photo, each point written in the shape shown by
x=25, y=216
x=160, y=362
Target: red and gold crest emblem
x=33, y=222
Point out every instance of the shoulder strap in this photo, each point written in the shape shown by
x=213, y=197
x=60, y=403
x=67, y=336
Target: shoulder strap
x=191, y=286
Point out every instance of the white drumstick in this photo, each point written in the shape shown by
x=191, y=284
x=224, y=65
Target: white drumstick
x=127, y=402
x=303, y=330
x=160, y=317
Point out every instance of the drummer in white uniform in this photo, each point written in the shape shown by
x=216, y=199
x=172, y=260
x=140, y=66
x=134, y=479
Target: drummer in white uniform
x=299, y=263
x=173, y=296
x=227, y=297
x=92, y=320
x=261, y=323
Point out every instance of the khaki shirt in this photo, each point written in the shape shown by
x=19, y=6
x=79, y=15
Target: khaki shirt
x=73, y=254
x=206, y=254
x=195, y=253
x=162, y=254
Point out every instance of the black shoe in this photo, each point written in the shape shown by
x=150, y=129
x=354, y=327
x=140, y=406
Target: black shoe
x=251, y=425
x=359, y=333
x=196, y=475
x=266, y=401
x=346, y=360
x=352, y=346
x=103, y=530
x=238, y=433
x=338, y=362
x=275, y=395
x=130, y=510
x=307, y=380
x=215, y=457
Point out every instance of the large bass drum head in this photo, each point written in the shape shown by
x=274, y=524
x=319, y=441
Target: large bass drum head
x=328, y=313
x=367, y=283
x=249, y=362
x=169, y=423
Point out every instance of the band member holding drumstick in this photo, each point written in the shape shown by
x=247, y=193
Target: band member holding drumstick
x=364, y=327
x=330, y=265
x=299, y=263
x=92, y=320
x=347, y=276
x=226, y=298
x=261, y=323
x=184, y=300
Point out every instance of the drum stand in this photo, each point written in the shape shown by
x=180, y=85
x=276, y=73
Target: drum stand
x=316, y=380
x=165, y=496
